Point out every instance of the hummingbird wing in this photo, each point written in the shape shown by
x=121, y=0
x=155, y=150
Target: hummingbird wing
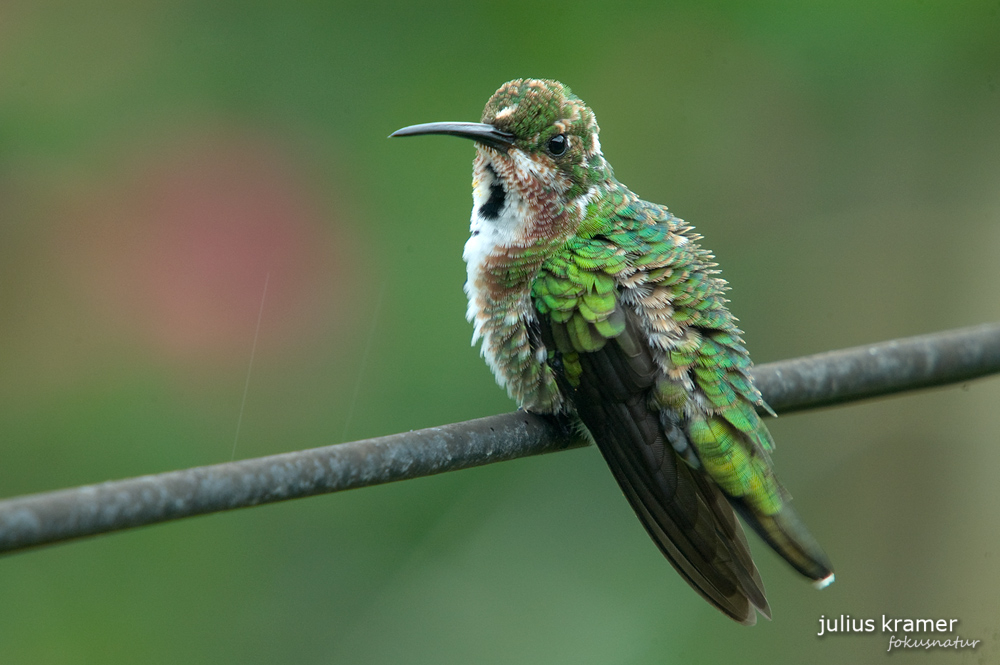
x=686, y=515
x=655, y=368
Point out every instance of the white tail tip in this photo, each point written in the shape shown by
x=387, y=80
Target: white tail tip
x=825, y=582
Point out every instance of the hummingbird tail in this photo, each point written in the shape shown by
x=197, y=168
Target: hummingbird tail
x=788, y=536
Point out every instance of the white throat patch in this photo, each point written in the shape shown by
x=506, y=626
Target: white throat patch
x=495, y=223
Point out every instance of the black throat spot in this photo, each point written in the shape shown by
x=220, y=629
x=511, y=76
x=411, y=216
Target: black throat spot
x=491, y=209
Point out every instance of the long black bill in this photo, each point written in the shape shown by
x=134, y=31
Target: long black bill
x=477, y=131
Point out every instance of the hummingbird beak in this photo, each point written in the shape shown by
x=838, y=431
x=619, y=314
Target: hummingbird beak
x=477, y=131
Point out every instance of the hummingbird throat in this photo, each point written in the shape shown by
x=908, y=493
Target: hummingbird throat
x=517, y=216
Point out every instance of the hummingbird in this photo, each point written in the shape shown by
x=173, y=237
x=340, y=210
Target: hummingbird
x=603, y=310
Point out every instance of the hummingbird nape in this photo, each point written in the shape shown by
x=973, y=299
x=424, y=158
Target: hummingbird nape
x=595, y=305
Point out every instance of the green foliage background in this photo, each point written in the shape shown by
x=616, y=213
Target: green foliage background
x=159, y=162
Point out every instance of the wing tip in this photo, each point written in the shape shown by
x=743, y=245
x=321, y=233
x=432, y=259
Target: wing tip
x=749, y=618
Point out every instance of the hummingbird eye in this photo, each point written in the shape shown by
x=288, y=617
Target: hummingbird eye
x=557, y=145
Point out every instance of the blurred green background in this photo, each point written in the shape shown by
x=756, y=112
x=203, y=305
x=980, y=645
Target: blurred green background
x=159, y=162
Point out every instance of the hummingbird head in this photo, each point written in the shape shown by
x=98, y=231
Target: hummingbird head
x=538, y=158
x=554, y=129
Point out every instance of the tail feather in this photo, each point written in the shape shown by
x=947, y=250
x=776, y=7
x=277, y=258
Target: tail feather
x=788, y=536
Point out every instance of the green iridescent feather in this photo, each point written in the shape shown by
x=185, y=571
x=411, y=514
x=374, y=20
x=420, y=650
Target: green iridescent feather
x=577, y=288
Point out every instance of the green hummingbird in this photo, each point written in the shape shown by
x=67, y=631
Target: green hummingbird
x=601, y=308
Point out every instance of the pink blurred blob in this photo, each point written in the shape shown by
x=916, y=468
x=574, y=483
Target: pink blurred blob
x=179, y=251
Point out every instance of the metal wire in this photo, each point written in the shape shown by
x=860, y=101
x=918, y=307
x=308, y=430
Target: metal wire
x=836, y=377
